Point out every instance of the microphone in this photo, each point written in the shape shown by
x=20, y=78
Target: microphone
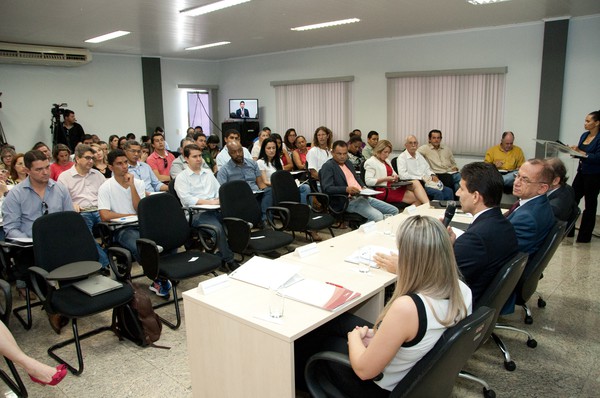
x=449, y=214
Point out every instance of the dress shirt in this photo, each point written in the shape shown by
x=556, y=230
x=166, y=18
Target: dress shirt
x=156, y=162
x=412, y=168
x=143, y=172
x=247, y=171
x=83, y=189
x=223, y=156
x=22, y=206
x=440, y=160
x=191, y=186
x=512, y=159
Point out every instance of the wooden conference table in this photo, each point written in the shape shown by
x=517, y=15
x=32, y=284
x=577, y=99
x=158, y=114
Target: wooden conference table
x=235, y=350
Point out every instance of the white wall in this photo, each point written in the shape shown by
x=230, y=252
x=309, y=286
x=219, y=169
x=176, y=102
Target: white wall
x=112, y=83
x=518, y=47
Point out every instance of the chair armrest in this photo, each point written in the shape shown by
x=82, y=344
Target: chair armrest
x=322, y=198
x=238, y=233
x=319, y=385
x=344, y=206
x=279, y=213
x=212, y=230
x=6, y=310
x=120, y=261
x=34, y=273
x=149, y=254
x=106, y=233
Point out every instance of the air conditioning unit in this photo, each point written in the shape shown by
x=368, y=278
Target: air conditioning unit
x=13, y=53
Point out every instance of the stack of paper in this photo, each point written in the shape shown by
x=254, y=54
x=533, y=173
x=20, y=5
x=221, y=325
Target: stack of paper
x=267, y=273
x=365, y=254
x=320, y=294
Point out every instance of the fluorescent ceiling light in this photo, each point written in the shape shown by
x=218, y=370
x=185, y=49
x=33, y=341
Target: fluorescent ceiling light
x=219, y=5
x=221, y=43
x=479, y=2
x=108, y=36
x=326, y=24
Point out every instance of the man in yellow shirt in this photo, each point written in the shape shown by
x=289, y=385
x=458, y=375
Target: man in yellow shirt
x=507, y=157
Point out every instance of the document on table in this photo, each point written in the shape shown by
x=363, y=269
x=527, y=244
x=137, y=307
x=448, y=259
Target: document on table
x=205, y=207
x=125, y=220
x=369, y=192
x=267, y=273
x=365, y=254
x=320, y=294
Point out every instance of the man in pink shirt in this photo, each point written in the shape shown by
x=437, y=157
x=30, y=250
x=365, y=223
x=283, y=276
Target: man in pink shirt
x=160, y=159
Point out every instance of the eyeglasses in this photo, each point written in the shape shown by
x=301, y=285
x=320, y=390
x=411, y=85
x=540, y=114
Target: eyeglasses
x=134, y=150
x=88, y=158
x=44, y=208
x=526, y=180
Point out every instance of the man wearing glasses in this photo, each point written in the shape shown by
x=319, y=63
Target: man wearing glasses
x=141, y=170
x=83, y=183
x=532, y=215
x=34, y=197
x=160, y=159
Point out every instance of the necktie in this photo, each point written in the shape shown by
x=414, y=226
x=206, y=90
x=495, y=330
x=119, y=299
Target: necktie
x=513, y=208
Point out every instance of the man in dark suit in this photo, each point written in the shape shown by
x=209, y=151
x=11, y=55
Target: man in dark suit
x=490, y=240
x=532, y=215
x=242, y=112
x=337, y=176
x=560, y=194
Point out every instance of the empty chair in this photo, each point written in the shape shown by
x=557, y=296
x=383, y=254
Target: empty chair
x=163, y=223
x=75, y=251
x=433, y=376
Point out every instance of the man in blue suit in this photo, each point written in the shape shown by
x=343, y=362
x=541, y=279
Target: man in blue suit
x=242, y=112
x=490, y=241
x=532, y=215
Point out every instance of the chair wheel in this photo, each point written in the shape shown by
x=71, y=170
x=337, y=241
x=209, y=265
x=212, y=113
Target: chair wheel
x=489, y=393
x=510, y=366
x=541, y=303
x=531, y=343
x=528, y=320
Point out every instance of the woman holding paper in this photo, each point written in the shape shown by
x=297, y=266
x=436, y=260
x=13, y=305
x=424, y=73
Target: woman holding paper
x=587, y=181
x=429, y=298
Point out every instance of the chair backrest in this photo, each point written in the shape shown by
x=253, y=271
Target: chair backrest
x=284, y=187
x=537, y=263
x=395, y=164
x=162, y=220
x=62, y=238
x=237, y=200
x=502, y=286
x=172, y=190
x=435, y=373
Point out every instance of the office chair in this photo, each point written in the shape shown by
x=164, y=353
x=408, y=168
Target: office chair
x=241, y=214
x=495, y=296
x=571, y=223
x=15, y=384
x=163, y=223
x=338, y=205
x=54, y=250
x=432, y=376
x=386, y=190
x=303, y=217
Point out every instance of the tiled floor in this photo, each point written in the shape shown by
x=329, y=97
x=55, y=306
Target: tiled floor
x=566, y=362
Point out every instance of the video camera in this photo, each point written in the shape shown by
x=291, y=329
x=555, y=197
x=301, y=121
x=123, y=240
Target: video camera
x=58, y=110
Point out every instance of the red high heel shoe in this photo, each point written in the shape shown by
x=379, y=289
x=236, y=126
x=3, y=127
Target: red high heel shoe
x=61, y=372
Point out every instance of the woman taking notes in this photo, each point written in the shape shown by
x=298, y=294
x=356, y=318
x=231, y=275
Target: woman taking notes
x=429, y=298
x=587, y=181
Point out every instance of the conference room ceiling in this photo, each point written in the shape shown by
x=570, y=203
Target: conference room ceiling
x=257, y=27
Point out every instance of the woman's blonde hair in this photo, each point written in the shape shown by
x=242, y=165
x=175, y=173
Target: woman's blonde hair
x=97, y=147
x=426, y=265
x=381, y=145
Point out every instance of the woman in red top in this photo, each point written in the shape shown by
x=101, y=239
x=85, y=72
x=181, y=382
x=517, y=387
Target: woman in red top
x=299, y=154
x=62, y=160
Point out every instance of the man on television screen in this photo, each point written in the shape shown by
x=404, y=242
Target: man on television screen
x=242, y=112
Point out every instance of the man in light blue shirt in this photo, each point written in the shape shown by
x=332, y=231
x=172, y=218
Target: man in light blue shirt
x=197, y=185
x=141, y=170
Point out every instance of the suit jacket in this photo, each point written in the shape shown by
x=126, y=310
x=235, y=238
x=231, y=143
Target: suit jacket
x=333, y=181
x=238, y=113
x=563, y=203
x=483, y=249
x=532, y=222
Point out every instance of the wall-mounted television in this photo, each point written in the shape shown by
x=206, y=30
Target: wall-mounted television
x=243, y=108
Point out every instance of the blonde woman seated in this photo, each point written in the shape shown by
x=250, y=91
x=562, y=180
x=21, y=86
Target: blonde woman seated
x=429, y=298
x=379, y=173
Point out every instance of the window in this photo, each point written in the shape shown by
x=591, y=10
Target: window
x=308, y=104
x=466, y=105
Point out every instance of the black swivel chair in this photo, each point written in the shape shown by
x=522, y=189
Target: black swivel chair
x=495, y=296
x=571, y=223
x=433, y=376
x=241, y=214
x=302, y=216
x=15, y=384
x=163, y=223
x=53, y=248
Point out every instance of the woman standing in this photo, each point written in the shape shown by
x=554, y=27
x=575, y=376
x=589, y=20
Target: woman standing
x=62, y=160
x=299, y=154
x=587, y=181
x=379, y=173
x=429, y=298
x=17, y=170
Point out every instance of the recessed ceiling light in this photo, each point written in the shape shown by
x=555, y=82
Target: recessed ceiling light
x=108, y=36
x=479, y=2
x=326, y=24
x=219, y=5
x=221, y=43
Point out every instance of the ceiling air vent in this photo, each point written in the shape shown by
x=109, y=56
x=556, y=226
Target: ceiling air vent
x=13, y=53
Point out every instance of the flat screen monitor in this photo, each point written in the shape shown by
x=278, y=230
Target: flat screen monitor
x=243, y=108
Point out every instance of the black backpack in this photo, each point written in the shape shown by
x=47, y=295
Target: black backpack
x=136, y=320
